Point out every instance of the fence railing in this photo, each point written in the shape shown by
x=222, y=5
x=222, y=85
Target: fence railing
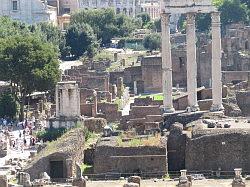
x=209, y=174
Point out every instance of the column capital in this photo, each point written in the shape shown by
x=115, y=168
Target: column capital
x=165, y=18
x=215, y=16
x=191, y=17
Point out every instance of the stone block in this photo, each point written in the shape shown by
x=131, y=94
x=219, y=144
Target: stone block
x=188, y=184
x=24, y=179
x=130, y=184
x=238, y=184
x=81, y=182
x=3, y=181
x=135, y=179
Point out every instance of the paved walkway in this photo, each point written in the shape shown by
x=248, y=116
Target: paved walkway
x=20, y=152
x=151, y=183
x=126, y=109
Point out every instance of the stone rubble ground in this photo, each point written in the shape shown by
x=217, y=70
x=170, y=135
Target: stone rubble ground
x=151, y=183
x=17, y=156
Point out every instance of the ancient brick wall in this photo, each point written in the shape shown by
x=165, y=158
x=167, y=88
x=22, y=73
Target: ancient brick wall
x=86, y=109
x=232, y=76
x=110, y=110
x=132, y=74
x=143, y=111
x=219, y=148
x=73, y=140
x=176, y=148
x=152, y=74
x=143, y=159
x=115, y=75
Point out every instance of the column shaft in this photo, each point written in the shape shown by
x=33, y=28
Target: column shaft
x=216, y=63
x=191, y=63
x=166, y=64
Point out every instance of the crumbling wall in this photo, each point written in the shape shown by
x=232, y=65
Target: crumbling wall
x=223, y=148
x=176, y=148
x=69, y=148
x=129, y=159
x=95, y=124
x=110, y=110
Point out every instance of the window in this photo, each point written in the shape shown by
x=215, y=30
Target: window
x=66, y=10
x=14, y=5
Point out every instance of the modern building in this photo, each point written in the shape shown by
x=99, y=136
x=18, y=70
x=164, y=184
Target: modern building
x=29, y=11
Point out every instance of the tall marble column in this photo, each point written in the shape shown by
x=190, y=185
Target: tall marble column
x=58, y=108
x=166, y=64
x=65, y=102
x=127, y=7
x=191, y=63
x=115, y=5
x=134, y=9
x=216, y=63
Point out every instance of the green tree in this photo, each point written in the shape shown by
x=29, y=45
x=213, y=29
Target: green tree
x=157, y=24
x=144, y=17
x=106, y=24
x=55, y=36
x=125, y=25
x=81, y=39
x=9, y=27
x=203, y=22
x=101, y=20
x=8, y=105
x=152, y=41
x=29, y=64
x=232, y=11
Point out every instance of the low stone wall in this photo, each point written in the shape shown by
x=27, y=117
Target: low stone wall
x=143, y=111
x=207, y=93
x=146, y=101
x=205, y=104
x=154, y=118
x=218, y=148
x=68, y=149
x=183, y=118
x=86, y=109
x=64, y=122
x=243, y=101
x=95, y=124
x=89, y=156
x=110, y=110
x=176, y=148
x=129, y=159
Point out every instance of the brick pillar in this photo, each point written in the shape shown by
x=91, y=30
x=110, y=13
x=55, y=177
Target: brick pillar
x=94, y=107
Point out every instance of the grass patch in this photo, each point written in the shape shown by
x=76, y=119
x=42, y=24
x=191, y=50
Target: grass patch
x=50, y=134
x=119, y=103
x=90, y=138
x=122, y=141
x=85, y=168
x=156, y=97
x=104, y=55
x=13, y=181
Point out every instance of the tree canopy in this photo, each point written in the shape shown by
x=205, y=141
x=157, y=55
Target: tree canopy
x=144, y=17
x=54, y=35
x=8, y=105
x=29, y=64
x=105, y=23
x=152, y=41
x=232, y=11
x=81, y=39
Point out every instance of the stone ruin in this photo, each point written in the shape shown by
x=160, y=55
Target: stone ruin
x=4, y=147
x=67, y=105
x=59, y=159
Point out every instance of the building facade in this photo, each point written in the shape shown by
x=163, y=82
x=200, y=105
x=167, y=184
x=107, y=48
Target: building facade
x=29, y=11
x=129, y=7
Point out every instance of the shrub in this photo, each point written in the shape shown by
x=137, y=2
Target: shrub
x=50, y=134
